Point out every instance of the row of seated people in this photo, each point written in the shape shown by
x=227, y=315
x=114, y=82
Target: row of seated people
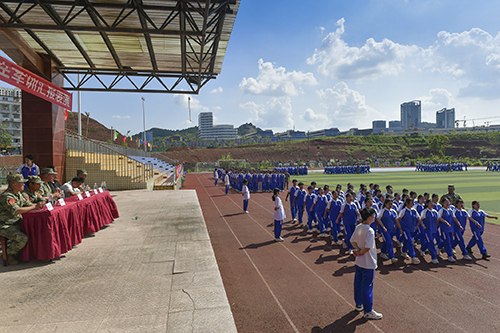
x=26, y=194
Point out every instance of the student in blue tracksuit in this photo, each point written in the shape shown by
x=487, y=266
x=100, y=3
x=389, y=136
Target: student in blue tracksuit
x=274, y=182
x=240, y=181
x=298, y=201
x=429, y=219
x=407, y=221
x=315, y=191
x=255, y=187
x=329, y=197
x=477, y=224
x=260, y=179
x=320, y=207
x=310, y=200
x=333, y=209
x=444, y=221
x=460, y=217
x=350, y=215
x=386, y=219
x=265, y=183
x=291, y=194
x=248, y=178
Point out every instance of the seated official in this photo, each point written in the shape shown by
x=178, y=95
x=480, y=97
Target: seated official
x=54, y=184
x=12, y=204
x=82, y=174
x=71, y=188
x=33, y=189
x=47, y=175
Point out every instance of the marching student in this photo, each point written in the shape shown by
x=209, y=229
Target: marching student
x=407, y=222
x=444, y=221
x=363, y=240
x=291, y=193
x=350, y=214
x=386, y=219
x=460, y=216
x=310, y=200
x=246, y=196
x=333, y=209
x=320, y=208
x=298, y=201
x=227, y=183
x=429, y=219
x=477, y=228
x=279, y=215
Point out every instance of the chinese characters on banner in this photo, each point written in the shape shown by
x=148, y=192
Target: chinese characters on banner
x=178, y=170
x=33, y=84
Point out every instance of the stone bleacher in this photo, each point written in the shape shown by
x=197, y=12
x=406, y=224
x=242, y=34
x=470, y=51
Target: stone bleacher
x=159, y=166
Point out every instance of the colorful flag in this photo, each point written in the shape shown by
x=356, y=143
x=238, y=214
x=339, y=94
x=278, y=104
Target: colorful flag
x=124, y=139
x=136, y=140
x=116, y=134
x=65, y=114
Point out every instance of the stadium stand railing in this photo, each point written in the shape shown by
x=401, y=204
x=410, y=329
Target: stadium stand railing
x=119, y=171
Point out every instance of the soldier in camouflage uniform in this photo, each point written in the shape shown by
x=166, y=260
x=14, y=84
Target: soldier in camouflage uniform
x=451, y=195
x=47, y=175
x=33, y=190
x=12, y=205
x=82, y=174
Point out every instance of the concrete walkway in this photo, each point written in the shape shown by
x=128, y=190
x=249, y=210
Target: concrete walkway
x=152, y=270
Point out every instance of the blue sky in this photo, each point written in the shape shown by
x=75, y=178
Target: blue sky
x=338, y=64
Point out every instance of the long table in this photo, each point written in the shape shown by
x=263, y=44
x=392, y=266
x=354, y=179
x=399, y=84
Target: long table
x=53, y=233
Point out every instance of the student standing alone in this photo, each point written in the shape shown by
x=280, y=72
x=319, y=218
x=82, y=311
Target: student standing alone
x=279, y=215
x=246, y=195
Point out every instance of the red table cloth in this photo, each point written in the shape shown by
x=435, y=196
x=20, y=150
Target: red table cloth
x=52, y=233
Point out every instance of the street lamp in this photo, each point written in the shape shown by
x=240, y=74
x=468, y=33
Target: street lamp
x=144, y=123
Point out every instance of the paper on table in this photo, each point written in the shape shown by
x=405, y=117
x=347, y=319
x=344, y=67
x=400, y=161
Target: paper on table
x=95, y=191
x=80, y=197
x=87, y=194
x=100, y=190
x=49, y=206
x=62, y=202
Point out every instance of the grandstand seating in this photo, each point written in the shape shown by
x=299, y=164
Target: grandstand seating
x=159, y=166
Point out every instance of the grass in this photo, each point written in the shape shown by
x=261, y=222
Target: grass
x=471, y=185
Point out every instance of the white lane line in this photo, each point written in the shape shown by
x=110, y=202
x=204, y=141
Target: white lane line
x=252, y=262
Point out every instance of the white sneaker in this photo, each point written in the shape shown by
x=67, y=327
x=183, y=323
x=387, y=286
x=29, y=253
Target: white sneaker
x=384, y=256
x=405, y=255
x=467, y=257
x=394, y=260
x=422, y=253
x=350, y=252
x=372, y=315
x=246, y=211
x=278, y=239
x=309, y=231
x=415, y=261
x=451, y=259
x=435, y=261
x=453, y=250
x=294, y=220
x=359, y=307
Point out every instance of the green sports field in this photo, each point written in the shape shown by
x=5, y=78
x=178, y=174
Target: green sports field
x=471, y=185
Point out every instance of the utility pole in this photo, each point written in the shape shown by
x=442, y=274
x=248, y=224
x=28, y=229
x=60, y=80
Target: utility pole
x=79, y=110
x=144, y=123
x=308, y=148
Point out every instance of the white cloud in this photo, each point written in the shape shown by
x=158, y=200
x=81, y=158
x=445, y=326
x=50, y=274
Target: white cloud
x=335, y=58
x=347, y=107
x=121, y=117
x=317, y=120
x=216, y=90
x=216, y=108
x=276, y=81
x=275, y=113
x=183, y=99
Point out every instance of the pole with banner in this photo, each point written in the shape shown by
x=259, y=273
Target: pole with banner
x=31, y=83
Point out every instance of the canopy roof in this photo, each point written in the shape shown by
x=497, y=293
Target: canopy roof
x=127, y=45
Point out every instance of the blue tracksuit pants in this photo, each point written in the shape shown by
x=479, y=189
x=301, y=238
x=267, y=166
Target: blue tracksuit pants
x=363, y=287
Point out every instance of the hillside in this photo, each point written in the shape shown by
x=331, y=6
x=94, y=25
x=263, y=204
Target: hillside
x=351, y=149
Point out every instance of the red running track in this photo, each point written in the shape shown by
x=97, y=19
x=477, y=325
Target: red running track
x=306, y=285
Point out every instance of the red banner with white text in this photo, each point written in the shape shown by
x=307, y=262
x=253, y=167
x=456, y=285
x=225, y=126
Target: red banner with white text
x=178, y=171
x=34, y=84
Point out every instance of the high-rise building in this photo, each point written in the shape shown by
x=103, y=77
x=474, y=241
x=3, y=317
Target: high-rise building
x=207, y=130
x=378, y=126
x=395, y=124
x=445, y=118
x=411, y=114
x=10, y=112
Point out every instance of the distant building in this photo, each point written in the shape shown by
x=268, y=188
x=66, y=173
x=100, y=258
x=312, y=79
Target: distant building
x=445, y=118
x=10, y=112
x=334, y=131
x=378, y=126
x=207, y=130
x=290, y=135
x=149, y=136
x=262, y=134
x=411, y=114
x=395, y=124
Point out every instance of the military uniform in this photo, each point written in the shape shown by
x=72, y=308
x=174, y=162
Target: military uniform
x=10, y=223
x=453, y=198
x=33, y=197
x=45, y=190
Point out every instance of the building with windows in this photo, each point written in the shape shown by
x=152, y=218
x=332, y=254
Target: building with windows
x=411, y=114
x=445, y=118
x=208, y=131
x=334, y=131
x=10, y=114
x=290, y=135
x=378, y=126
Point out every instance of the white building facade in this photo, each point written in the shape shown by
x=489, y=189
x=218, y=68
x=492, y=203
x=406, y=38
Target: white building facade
x=11, y=115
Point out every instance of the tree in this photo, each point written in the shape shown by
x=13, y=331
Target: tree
x=439, y=143
x=5, y=137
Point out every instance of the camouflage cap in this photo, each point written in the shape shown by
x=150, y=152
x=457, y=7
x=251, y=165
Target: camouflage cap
x=451, y=186
x=83, y=172
x=16, y=178
x=48, y=171
x=34, y=179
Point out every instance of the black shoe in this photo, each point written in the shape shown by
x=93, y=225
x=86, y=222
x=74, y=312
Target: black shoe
x=469, y=250
x=486, y=256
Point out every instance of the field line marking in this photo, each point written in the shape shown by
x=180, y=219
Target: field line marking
x=252, y=262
